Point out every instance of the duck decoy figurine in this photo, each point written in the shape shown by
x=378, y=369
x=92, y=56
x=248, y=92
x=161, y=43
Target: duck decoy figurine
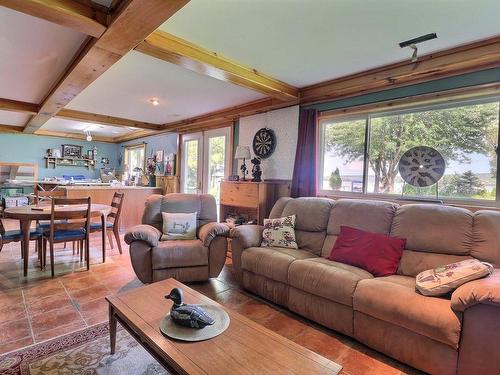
x=187, y=315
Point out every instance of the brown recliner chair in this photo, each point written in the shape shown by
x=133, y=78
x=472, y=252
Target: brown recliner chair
x=184, y=260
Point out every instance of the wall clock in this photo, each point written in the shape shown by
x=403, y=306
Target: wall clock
x=421, y=166
x=264, y=143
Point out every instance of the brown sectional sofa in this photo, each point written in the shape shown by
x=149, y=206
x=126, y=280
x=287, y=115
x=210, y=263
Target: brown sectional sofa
x=457, y=334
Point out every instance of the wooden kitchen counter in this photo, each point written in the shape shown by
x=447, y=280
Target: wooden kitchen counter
x=133, y=204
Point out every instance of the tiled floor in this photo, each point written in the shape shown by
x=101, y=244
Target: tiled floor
x=38, y=308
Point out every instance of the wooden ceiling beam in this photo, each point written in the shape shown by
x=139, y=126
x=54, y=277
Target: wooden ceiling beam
x=67, y=13
x=468, y=58
x=134, y=135
x=232, y=113
x=134, y=20
x=10, y=129
x=70, y=114
x=80, y=136
x=18, y=106
x=180, y=52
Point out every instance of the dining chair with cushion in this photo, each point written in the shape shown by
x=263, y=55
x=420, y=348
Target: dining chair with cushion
x=44, y=197
x=69, y=221
x=112, y=224
x=8, y=236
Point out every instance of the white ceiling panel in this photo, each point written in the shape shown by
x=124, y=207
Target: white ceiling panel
x=303, y=42
x=33, y=54
x=13, y=118
x=124, y=91
x=63, y=125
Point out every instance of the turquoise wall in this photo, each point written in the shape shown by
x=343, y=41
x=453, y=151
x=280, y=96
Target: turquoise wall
x=166, y=142
x=25, y=148
x=465, y=80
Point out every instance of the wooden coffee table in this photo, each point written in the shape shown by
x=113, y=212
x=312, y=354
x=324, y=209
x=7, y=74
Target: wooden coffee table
x=244, y=348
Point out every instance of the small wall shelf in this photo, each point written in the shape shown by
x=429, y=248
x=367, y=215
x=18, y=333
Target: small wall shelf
x=69, y=162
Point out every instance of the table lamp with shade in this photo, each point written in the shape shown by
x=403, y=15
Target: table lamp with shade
x=243, y=152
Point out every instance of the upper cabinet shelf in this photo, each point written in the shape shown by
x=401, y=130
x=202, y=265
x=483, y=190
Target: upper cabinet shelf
x=69, y=162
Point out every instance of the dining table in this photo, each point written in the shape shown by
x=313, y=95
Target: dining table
x=27, y=214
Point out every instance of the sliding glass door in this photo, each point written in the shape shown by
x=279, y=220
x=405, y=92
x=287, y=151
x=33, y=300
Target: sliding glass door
x=206, y=160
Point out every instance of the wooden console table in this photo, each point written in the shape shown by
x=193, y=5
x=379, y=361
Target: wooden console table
x=253, y=198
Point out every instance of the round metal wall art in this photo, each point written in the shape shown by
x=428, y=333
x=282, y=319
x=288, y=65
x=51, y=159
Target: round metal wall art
x=421, y=166
x=264, y=143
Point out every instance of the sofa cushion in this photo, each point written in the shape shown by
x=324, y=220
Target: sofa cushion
x=434, y=228
x=272, y=263
x=203, y=204
x=393, y=299
x=443, y=279
x=486, y=232
x=326, y=278
x=179, y=226
x=186, y=253
x=414, y=262
x=353, y=213
x=279, y=232
x=312, y=219
x=374, y=252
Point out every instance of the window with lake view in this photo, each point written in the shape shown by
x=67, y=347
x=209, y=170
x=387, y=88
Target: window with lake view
x=361, y=154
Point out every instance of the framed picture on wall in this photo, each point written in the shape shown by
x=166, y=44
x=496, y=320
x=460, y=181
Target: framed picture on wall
x=71, y=151
x=170, y=165
x=159, y=156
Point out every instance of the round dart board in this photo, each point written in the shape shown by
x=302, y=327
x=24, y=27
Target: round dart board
x=421, y=166
x=264, y=143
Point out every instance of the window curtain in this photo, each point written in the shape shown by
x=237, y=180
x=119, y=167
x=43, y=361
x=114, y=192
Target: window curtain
x=304, y=171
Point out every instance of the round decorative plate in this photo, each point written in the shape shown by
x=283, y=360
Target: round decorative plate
x=421, y=166
x=264, y=143
x=175, y=331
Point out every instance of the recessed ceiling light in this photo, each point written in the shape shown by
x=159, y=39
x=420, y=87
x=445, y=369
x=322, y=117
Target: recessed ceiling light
x=154, y=101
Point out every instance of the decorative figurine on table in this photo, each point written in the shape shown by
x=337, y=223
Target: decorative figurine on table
x=256, y=170
x=187, y=315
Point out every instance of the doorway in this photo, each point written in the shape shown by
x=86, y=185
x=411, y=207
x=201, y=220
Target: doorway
x=206, y=160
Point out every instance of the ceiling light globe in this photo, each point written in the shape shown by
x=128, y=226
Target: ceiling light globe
x=89, y=138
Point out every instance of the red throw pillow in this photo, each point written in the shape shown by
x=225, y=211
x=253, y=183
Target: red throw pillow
x=374, y=252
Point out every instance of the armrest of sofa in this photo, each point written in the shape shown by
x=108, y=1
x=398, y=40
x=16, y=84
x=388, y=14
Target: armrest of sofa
x=145, y=233
x=211, y=230
x=481, y=291
x=248, y=235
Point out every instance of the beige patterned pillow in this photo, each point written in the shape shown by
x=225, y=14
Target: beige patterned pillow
x=444, y=279
x=279, y=232
x=179, y=226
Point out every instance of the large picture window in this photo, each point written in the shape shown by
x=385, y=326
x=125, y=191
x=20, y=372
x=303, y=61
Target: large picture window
x=361, y=155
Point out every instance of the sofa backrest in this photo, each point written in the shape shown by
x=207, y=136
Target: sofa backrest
x=311, y=222
x=370, y=215
x=486, y=233
x=204, y=204
x=435, y=234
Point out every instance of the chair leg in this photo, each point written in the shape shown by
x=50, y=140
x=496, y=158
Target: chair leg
x=117, y=238
x=44, y=253
x=39, y=245
x=52, y=259
x=110, y=239
x=103, y=240
x=64, y=246
x=80, y=248
x=73, y=246
x=87, y=253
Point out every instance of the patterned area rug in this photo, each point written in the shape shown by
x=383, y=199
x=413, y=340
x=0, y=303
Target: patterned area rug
x=82, y=352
